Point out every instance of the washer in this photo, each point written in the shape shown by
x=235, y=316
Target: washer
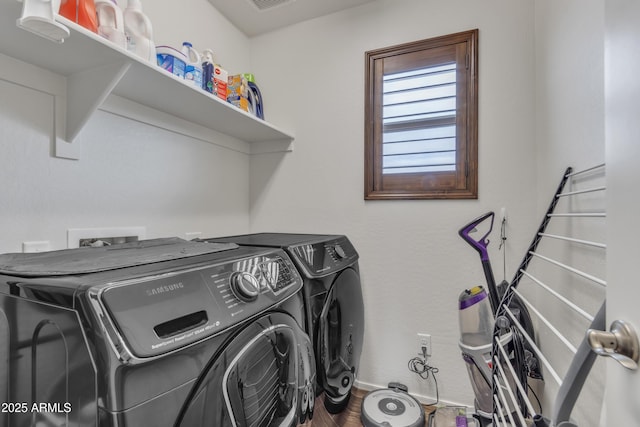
x=163, y=333
x=333, y=302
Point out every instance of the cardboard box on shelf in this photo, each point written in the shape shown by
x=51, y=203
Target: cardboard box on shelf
x=220, y=81
x=238, y=91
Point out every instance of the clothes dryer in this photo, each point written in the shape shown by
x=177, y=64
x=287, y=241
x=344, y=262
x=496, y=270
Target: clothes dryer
x=154, y=333
x=333, y=303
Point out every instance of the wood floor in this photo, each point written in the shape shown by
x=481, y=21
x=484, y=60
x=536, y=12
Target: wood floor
x=348, y=418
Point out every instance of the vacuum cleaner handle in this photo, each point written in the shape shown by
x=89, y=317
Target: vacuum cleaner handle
x=481, y=244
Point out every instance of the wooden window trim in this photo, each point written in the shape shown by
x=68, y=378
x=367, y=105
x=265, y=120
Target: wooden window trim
x=423, y=185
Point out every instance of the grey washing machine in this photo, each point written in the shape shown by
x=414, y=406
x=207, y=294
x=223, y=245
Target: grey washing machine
x=154, y=333
x=333, y=303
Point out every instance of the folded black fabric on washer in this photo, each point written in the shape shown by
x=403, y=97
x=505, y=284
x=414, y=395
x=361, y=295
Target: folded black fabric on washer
x=91, y=260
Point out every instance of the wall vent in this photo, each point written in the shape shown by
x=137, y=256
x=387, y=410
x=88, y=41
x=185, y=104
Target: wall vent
x=263, y=5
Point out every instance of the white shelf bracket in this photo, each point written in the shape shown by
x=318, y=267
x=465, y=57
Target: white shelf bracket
x=275, y=146
x=86, y=91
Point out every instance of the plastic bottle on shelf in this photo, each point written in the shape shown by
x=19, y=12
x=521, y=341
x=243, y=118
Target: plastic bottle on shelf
x=139, y=32
x=111, y=22
x=171, y=60
x=207, y=71
x=39, y=18
x=82, y=12
x=193, y=66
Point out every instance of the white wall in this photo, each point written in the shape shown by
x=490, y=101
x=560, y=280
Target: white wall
x=569, y=89
x=130, y=173
x=201, y=24
x=570, y=132
x=413, y=263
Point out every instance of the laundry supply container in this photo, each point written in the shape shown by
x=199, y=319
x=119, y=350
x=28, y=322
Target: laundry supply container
x=81, y=11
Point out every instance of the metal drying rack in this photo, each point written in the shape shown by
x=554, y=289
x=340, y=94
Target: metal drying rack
x=552, y=274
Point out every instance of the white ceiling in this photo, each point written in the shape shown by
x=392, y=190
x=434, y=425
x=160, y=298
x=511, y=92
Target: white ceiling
x=275, y=14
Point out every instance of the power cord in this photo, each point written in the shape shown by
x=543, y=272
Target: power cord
x=419, y=366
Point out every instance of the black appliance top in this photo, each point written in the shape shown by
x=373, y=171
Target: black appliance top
x=316, y=255
x=275, y=240
x=92, y=260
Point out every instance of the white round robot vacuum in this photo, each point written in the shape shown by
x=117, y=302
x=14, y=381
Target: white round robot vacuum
x=392, y=407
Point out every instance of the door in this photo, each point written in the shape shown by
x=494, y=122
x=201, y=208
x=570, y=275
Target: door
x=340, y=335
x=254, y=380
x=622, y=113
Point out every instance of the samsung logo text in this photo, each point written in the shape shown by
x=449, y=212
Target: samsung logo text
x=165, y=289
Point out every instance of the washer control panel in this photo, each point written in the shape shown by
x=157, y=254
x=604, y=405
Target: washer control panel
x=156, y=314
x=250, y=283
x=244, y=286
x=327, y=257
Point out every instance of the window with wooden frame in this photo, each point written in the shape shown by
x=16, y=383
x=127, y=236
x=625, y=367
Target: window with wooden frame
x=421, y=119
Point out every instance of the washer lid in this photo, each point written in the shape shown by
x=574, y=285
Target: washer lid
x=391, y=408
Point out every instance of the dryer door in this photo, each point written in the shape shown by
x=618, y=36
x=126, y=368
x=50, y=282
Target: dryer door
x=253, y=380
x=340, y=335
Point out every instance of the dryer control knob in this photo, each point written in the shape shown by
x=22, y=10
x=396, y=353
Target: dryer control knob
x=245, y=286
x=339, y=252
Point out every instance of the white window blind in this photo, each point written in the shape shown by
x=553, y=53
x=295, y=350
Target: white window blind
x=419, y=120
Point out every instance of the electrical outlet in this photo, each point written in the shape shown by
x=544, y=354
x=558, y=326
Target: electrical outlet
x=36, y=246
x=424, y=340
x=77, y=237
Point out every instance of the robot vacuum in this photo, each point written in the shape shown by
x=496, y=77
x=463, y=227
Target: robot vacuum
x=391, y=407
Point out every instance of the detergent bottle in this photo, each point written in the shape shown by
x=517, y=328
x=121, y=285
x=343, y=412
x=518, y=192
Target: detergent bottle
x=81, y=11
x=193, y=67
x=111, y=22
x=139, y=32
x=207, y=71
x=256, y=105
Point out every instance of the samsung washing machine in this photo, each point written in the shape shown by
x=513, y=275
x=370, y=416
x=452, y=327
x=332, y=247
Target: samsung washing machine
x=333, y=303
x=154, y=333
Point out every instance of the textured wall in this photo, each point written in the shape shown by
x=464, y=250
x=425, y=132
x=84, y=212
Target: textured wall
x=413, y=263
x=129, y=173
